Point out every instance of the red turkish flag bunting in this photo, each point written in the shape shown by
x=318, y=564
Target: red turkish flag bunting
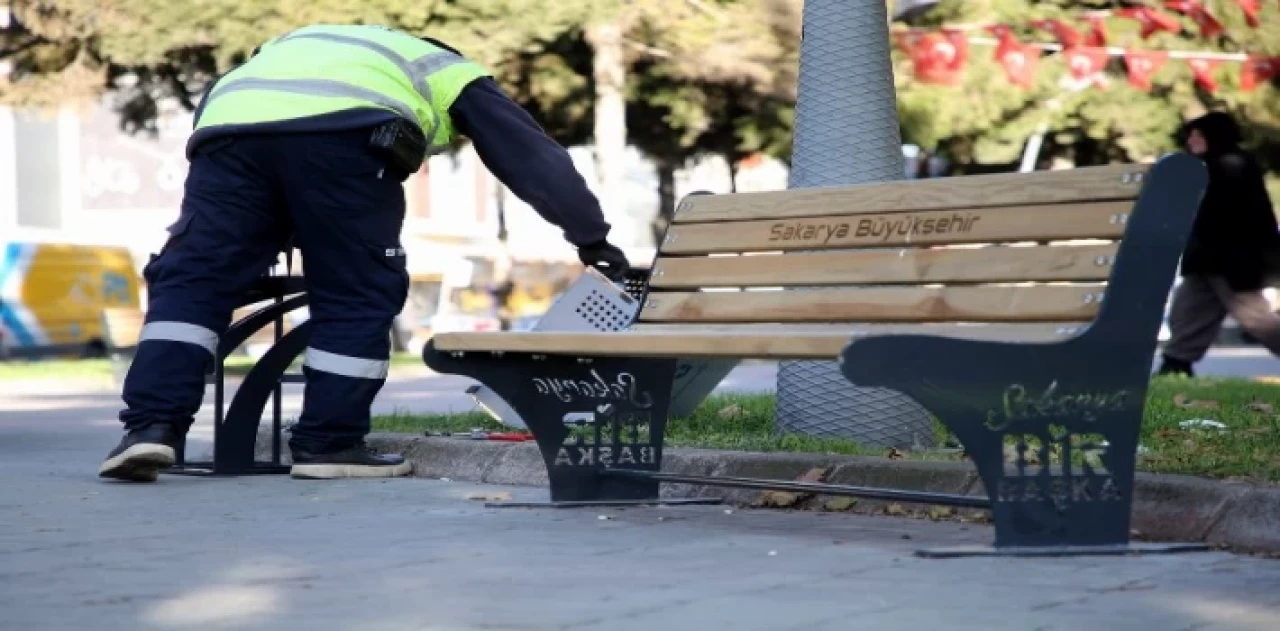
x=1152, y=20
x=1086, y=62
x=1203, y=70
x=1097, y=35
x=1209, y=25
x=1020, y=62
x=941, y=58
x=1258, y=70
x=1251, y=9
x=1067, y=36
x=1006, y=39
x=1142, y=65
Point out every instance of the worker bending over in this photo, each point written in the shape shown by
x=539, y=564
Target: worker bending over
x=312, y=138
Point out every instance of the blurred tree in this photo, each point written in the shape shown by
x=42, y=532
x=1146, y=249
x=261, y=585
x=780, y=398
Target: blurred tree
x=149, y=50
x=723, y=83
x=713, y=75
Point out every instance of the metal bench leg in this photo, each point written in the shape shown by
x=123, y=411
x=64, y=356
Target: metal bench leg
x=233, y=453
x=1052, y=429
x=587, y=414
x=235, y=433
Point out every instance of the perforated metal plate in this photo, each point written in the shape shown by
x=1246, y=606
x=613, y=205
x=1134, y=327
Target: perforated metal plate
x=594, y=303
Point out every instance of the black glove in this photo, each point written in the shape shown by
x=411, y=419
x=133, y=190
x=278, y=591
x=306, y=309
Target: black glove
x=606, y=258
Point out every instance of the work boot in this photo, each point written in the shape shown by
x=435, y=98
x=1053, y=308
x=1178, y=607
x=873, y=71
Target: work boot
x=1171, y=366
x=142, y=453
x=357, y=461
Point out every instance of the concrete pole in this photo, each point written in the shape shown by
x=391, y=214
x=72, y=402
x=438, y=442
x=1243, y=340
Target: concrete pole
x=846, y=133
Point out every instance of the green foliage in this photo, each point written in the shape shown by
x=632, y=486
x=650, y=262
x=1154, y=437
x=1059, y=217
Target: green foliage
x=988, y=120
x=704, y=76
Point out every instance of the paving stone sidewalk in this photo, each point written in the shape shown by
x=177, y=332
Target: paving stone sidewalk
x=259, y=553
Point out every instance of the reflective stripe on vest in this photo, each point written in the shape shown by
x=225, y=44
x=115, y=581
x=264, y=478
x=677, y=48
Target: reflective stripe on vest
x=316, y=87
x=417, y=70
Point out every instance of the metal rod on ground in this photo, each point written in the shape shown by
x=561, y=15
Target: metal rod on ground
x=846, y=133
x=871, y=493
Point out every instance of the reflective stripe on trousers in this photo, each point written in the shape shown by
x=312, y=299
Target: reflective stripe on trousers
x=180, y=332
x=345, y=365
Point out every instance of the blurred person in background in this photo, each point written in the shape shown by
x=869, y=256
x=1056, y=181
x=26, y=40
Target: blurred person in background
x=1225, y=264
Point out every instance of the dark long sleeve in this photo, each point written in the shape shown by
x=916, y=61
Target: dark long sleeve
x=536, y=168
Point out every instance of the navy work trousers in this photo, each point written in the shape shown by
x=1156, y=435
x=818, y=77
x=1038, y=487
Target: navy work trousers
x=244, y=197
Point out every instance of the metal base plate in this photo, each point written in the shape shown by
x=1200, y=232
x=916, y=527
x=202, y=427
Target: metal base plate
x=703, y=501
x=1061, y=551
x=206, y=469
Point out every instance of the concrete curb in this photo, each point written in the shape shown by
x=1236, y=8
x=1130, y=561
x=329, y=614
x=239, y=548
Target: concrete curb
x=1240, y=516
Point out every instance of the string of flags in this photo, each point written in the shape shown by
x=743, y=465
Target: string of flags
x=940, y=56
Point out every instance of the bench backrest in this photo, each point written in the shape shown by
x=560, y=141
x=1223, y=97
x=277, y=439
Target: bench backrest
x=1036, y=247
x=121, y=327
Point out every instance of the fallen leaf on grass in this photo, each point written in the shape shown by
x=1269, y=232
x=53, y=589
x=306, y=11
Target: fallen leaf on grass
x=787, y=499
x=489, y=497
x=1182, y=401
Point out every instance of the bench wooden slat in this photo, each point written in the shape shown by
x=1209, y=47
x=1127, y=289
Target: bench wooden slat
x=1096, y=220
x=1110, y=182
x=905, y=266
x=879, y=304
x=775, y=342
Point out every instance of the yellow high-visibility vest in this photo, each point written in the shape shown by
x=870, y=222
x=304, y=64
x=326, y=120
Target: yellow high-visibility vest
x=323, y=69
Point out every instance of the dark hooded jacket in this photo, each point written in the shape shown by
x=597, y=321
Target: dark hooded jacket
x=1235, y=233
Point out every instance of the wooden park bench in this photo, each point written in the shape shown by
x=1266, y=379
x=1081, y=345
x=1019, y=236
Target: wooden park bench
x=1018, y=308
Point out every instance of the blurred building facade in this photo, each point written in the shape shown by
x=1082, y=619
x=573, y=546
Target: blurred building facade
x=75, y=176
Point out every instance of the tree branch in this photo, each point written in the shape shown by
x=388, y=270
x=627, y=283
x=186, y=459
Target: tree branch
x=35, y=40
x=652, y=51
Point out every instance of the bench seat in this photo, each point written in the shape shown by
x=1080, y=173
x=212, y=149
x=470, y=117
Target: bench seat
x=796, y=342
